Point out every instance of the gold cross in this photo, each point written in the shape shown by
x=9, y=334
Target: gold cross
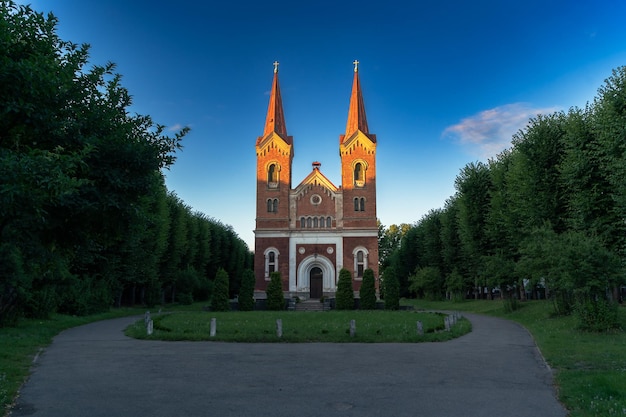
x=356, y=65
x=275, y=66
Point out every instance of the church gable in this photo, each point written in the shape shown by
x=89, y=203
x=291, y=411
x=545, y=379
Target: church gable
x=273, y=142
x=358, y=141
x=315, y=178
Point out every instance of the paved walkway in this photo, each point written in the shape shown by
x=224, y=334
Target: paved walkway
x=94, y=370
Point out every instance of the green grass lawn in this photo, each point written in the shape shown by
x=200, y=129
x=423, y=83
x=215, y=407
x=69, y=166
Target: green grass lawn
x=301, y=327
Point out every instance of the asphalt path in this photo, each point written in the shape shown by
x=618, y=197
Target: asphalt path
x=94, y=370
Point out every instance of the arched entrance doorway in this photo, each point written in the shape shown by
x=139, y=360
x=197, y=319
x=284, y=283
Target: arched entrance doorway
x=316, y=281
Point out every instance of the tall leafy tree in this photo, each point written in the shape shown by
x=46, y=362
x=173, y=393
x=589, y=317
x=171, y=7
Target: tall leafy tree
x=609, y=128
x=391, y=288
x=473, y=196
x=535, y=187
x=70, y=152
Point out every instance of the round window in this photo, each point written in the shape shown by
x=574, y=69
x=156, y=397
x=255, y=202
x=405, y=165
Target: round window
x=316, y=199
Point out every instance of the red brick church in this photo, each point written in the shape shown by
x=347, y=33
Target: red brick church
x=310, y=231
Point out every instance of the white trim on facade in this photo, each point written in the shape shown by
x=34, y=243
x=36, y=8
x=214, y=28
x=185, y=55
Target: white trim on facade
x=299, y=283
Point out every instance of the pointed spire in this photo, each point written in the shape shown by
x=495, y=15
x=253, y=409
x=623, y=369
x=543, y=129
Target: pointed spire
x=275, y=120
x=356, y=113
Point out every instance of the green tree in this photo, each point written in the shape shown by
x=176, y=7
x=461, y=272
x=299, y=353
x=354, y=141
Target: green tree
x=535, y=189
x=345, y=293
x=274, y=291
x=576, y=268
x=389, y=240
x=246, y=293
x=455, y=286
x=428, y=283
x=391, y=289
x=453, y=265
x=219, y=296
x=367, y=293
x=70, y=152
x=404, y=260
x=473, y=197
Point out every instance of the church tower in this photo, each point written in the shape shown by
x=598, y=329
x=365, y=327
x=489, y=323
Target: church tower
x=357, y=148
x=311, y=231
x=274, y=153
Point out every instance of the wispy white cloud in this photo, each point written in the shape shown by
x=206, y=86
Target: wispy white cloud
x=175, y=128
x=489, y=132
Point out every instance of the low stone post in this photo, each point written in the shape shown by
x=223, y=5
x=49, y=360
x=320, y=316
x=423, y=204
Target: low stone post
x=150, y=327
x=446, y=322
x=279, y=328
x=420, y=328
x=213, y=326
x=352, y=328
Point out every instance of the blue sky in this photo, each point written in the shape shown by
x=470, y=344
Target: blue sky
x=445, y=83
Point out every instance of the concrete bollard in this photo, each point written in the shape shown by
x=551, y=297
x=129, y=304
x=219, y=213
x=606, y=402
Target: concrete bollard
x=213, y=326
x=279, y=328
x=420, y=328
x=150, y=327
x=352, y=328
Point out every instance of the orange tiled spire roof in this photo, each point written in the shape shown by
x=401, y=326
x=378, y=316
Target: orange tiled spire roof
x=356, y=114
x=275, y=120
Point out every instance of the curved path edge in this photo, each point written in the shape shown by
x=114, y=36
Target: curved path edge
x=95, y=370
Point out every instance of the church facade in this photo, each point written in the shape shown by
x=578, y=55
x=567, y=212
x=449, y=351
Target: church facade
x=311, y=231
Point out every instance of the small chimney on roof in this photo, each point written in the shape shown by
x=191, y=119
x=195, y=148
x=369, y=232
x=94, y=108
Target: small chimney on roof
x=317, y=165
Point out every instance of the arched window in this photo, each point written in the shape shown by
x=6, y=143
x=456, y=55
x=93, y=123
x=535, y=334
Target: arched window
x=322, y=222
x=360, y=255
x=272, y=176
x=360, y=264
x=309, y=222
x=271, y=262
x=359, y=174
x=302, y=222
x=315, y=222
x=329, y=222
x=359, y=203
x=272, y=205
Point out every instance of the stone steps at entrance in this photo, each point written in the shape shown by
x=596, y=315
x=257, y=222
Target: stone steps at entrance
x=312, y=305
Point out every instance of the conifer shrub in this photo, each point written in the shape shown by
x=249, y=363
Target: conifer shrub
x=274, y=291
x=246, y=292
x=219, y=297
x=345, y=293
x=392, y=290
x=368, y=290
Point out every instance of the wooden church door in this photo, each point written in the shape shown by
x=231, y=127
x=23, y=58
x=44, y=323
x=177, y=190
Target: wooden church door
x=316, y=282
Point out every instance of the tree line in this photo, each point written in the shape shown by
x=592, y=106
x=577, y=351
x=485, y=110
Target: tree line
x=86, y=221
x=545, y=218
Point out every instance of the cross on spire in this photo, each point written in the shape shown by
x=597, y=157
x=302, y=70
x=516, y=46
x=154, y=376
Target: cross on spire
x=356, y=65
x=275, y=66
